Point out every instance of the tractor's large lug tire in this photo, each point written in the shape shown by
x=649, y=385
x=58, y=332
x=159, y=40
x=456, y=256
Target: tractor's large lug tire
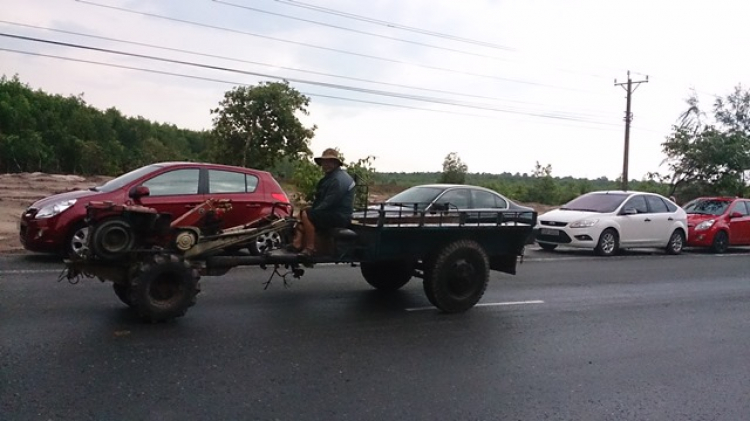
x=456, y=277
x=163, y=288
x=387, y=276
x=122, y=291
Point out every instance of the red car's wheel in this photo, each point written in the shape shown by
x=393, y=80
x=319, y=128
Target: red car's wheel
x=720, y=243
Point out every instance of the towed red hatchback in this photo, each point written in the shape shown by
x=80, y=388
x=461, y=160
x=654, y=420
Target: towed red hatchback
x=56, y=224
x=718, y=222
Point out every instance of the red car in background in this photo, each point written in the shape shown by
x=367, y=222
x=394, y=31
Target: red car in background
x=56, y=224
x=718, y=222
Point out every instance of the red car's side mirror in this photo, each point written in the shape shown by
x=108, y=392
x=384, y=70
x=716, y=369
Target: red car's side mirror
x=736, y=215
x=139, y=191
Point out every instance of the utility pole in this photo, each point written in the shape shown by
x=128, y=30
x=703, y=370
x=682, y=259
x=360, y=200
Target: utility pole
x=630, y=87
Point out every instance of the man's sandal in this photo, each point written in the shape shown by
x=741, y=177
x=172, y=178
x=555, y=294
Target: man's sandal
x=307, y=252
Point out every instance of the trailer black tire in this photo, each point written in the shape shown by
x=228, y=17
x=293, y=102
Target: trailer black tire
x=387, y=275
x=164, y=288
x=122, y=291
x=456, y=277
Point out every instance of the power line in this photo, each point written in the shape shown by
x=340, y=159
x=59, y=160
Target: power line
x=215, y=80
x=392, y=25
x=434, y=100
x=357, y=31
x=234, y=59
x=336, y=50
x=325, y=24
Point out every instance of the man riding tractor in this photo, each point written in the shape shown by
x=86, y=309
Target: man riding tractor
x=332, y=206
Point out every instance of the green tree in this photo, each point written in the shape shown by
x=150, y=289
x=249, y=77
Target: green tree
x=257, y=125
x=306, y=175
x=454, y=170
x=709, y=159
x=52, y=133
x=362, y=170
x=543, y=188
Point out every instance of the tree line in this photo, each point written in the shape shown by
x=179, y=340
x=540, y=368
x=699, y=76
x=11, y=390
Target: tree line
x=257, y=126
x=536, y=186
x=56, y=134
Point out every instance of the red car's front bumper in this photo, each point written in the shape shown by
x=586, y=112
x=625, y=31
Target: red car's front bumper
x=704, y=238
x=40, y=235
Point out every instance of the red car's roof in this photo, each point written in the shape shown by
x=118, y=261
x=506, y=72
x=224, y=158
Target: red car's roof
x=723, y=198
x=205, y=164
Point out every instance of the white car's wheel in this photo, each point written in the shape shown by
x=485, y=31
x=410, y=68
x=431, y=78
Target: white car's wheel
x=609, y=243
x=676, y=242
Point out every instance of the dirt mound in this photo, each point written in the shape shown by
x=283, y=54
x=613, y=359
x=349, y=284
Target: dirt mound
x=18, y=191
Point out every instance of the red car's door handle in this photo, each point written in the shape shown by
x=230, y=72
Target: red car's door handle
x=253, y=205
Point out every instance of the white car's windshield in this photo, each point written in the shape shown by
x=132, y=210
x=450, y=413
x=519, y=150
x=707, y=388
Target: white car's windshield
x=596, y=202
x=707, y=207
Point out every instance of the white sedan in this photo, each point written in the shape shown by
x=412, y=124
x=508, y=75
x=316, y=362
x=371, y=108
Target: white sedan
x=607, y=221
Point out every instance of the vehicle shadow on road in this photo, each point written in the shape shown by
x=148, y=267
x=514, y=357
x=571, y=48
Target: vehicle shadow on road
x=575, y=252
x=384, y=303
x=41, y=258
x=534, y=252
x=709, y=252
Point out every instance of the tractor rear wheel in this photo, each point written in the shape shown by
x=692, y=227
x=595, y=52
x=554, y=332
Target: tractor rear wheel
x=122, y=291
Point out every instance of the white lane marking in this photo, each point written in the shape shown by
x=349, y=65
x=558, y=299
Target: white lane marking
x=509, y=303
x=28, y=271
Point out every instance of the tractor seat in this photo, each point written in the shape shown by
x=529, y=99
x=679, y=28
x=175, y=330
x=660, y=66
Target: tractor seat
x=343, y=234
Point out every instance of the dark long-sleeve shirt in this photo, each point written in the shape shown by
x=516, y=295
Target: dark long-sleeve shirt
x=335, y=194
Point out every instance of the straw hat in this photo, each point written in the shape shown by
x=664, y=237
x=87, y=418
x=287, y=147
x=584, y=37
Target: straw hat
x=329, y=153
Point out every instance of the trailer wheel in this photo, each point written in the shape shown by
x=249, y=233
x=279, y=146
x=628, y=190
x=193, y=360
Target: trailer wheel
x=387, y=275
x=122, y=291
x=456, y=278
x=164, y=288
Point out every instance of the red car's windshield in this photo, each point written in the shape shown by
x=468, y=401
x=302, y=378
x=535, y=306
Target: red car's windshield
x=707, y=207
x=125, y=179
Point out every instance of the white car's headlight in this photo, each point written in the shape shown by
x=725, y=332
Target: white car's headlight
x=584, y=223
x=705, y=225
x=55, y=208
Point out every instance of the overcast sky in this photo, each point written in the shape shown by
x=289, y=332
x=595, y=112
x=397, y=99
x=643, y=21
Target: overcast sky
x=503, y=83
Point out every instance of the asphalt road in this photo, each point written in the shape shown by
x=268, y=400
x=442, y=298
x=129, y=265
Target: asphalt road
x=571, y=337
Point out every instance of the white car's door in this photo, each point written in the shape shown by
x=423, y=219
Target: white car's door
x=662, y=221
x=634, y=227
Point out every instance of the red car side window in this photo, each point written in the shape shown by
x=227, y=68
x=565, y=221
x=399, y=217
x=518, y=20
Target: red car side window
x=741, y=207
x=177, y=182
x=231, y=182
